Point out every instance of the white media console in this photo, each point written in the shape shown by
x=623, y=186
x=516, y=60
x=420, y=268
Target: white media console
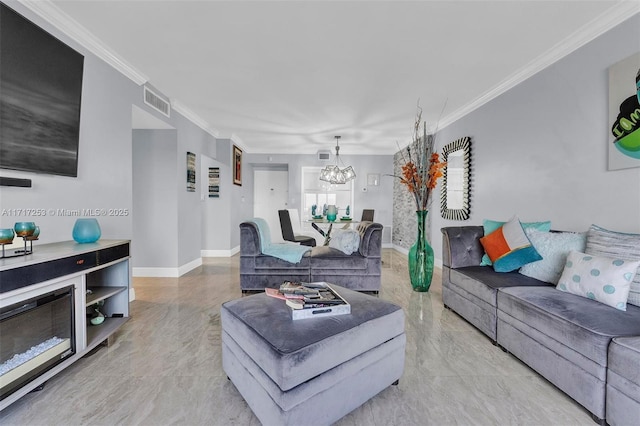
x=46, y=299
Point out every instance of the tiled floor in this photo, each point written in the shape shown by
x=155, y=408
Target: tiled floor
x=165, y=368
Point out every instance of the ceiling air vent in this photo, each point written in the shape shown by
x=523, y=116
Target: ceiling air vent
x=156, y=102
x=324, y=155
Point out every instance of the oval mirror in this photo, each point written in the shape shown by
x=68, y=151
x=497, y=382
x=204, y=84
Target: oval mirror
x=454, y=196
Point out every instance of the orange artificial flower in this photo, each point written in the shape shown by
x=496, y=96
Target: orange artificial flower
x=421, y=172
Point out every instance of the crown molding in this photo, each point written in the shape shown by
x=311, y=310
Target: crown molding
x=63, y=22
x=193, y=117
x=588, y=32
x=235, y=139
x=48, y=11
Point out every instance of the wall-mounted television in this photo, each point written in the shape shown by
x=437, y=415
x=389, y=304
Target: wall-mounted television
x=40, y=92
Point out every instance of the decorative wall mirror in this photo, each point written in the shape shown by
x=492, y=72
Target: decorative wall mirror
x=454, y=196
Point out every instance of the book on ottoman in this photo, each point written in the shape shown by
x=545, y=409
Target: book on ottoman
x=327, y=303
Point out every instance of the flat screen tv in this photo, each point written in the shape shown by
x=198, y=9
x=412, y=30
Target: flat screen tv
x=40, y=91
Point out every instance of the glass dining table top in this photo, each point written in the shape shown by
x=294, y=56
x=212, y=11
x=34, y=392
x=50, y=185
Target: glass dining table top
x=325, y=220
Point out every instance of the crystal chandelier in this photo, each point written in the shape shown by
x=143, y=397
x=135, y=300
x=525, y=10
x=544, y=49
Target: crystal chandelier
x=335, y=175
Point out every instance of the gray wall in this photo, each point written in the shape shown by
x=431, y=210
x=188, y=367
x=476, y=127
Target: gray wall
x=105, y=158
x=240, y=197
x=539, y=151
x=216, y=213
x=190, y=139
x=155, y=209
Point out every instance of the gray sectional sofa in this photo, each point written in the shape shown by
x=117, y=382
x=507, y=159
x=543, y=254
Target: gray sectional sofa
x=587, y=349
x=359, y=271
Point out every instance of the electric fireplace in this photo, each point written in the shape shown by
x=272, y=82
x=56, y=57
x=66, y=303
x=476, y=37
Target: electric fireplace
x=36, y=334
x=44, y=298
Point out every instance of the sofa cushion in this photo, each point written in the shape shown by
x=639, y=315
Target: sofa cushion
x=581, y=324
x=273, y=263
x=461, y=246
x=324, y=257
x=508, y=247
x=554, y=248
x=623, y=381
x=602, y=242
x=603, y=279
x=483, y=281
x=624, y=359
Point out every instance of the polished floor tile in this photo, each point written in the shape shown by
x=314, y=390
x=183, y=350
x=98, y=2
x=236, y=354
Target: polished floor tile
x=165, y=366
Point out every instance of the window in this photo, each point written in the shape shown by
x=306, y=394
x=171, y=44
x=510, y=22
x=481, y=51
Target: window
x=315, y=191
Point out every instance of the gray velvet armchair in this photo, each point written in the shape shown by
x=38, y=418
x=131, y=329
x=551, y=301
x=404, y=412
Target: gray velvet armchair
x=359, y=271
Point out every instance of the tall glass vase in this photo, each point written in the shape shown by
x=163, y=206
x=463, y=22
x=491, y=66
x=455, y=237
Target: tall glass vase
x=421, y=257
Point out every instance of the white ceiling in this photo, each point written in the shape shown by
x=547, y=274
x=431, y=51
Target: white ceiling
x=287, y=76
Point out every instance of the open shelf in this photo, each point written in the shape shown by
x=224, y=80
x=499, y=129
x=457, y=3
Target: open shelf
x=101, y=293
x=96, y=334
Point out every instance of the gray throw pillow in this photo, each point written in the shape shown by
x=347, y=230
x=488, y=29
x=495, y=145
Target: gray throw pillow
x=603, y=242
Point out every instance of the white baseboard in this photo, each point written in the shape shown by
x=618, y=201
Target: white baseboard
x=167, y=272
x=132, y=294
x=220, y=253
x=155, y=272
x=189, y=266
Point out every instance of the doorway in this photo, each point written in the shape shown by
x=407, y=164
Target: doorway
x=270, y=194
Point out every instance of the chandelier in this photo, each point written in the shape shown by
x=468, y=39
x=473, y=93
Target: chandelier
x=335, y=175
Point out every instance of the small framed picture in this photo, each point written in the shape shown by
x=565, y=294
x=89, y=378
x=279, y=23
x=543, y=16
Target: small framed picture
x=191, y=172
x=214, y=182
x=237, y=166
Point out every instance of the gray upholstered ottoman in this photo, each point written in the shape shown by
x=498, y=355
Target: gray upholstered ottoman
x=311, y=371
x=623, y=382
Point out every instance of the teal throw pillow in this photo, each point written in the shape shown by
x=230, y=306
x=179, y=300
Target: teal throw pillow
x=554, y=248
x=509, y=248
x=491, y=225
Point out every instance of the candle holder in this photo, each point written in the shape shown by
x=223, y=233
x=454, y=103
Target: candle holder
x=29, y=233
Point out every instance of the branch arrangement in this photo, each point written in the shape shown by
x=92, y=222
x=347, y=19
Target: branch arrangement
x=421, y=171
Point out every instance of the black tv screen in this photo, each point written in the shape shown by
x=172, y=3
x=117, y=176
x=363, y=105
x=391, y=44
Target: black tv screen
x=40, y=92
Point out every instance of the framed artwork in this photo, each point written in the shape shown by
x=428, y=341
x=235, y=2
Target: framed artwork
x=214, y=182
x=624, y=113
x=191, y=172
x=237, y=166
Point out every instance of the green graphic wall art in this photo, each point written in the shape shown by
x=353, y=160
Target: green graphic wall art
x=624, y=113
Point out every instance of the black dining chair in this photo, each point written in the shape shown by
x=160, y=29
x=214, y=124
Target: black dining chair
x=367, y=215
x=287, y=231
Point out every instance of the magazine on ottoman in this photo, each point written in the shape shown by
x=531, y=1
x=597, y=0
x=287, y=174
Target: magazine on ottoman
x=310, y=300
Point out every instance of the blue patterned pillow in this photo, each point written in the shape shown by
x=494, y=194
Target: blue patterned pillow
x=491, y=225
x=554, y=248
x=604, y=279
x=508, y=247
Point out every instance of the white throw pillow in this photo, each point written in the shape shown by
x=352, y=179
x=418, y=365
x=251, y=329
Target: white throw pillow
x=604, y=279
x=345, y=240
x=554, y=248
